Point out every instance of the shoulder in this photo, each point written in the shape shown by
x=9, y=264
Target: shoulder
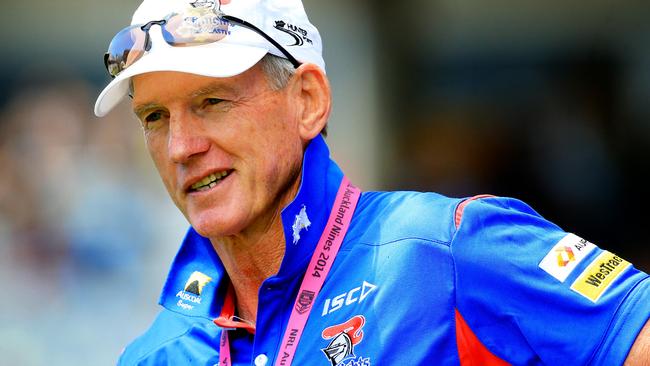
x=483, y=209
x=392, y=216
x=172, y=338
x=431, y=216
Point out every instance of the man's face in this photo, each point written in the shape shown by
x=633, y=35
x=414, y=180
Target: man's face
x=228, y=149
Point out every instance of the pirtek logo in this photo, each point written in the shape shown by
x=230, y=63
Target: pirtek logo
x=357, y=294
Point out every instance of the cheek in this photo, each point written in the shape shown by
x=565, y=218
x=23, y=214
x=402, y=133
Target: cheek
x=282, y=162
x=158, y=152
x=155, y=150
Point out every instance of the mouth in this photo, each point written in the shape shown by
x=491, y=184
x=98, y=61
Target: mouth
x=209, y=181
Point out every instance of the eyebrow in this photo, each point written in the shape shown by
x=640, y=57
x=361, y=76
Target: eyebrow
x=142, y=108
x=215, y=87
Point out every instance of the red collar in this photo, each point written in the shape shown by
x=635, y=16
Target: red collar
x=227, y=317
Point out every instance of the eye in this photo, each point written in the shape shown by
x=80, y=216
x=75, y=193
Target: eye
x=213, y=101
x=153, y=117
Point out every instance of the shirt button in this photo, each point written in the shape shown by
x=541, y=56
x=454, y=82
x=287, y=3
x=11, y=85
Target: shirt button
x=261, y=360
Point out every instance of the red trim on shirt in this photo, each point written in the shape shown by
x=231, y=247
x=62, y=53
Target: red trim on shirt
x=461, y=207
x=471, y=351
x=227, y=316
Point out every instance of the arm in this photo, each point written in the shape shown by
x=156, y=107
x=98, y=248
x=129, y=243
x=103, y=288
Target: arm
x=525, y=301
x=640, y=353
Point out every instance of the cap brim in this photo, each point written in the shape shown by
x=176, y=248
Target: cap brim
x=214, y=60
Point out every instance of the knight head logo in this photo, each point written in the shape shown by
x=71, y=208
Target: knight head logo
x=343, y=339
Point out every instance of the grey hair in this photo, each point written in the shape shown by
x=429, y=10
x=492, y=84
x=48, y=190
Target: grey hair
x=278, y=70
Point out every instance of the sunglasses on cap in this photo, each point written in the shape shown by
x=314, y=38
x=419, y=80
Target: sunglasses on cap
x=198, y=26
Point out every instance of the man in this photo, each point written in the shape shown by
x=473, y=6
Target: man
x=287, y=263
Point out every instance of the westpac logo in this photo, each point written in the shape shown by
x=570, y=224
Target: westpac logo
x=356, y=295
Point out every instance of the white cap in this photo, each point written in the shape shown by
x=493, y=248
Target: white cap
x=283, y=20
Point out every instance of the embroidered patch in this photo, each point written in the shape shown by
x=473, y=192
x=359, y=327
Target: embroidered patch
x=355, y=295
x=563, y=258
x=191, y=292
x=599, y=275
x=301, y=222
x=196, y=282
x=340, y=350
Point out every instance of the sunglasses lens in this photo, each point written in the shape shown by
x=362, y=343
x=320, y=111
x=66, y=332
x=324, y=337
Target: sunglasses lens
x=126, y=48
x=195, y=29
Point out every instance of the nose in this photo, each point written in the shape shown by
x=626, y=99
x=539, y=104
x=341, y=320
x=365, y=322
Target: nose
x=187, y=137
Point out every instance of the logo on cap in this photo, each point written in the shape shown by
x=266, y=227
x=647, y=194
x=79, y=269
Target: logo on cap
x=300, y=36
x=208, y=3
x=202, y=4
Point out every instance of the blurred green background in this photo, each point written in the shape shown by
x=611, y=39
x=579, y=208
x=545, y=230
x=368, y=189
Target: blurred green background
x=546, y=101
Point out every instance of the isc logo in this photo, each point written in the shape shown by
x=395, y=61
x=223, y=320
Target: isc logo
x=357, y=294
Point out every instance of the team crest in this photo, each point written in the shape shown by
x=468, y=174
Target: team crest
x=304, y=301
x=343, y=338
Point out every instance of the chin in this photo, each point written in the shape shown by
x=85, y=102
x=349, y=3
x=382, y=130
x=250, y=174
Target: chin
x=211, y=227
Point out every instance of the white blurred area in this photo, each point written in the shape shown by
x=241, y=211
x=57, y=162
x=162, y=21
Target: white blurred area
x=456, y=96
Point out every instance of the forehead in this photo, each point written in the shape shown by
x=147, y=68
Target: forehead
x=168, y=86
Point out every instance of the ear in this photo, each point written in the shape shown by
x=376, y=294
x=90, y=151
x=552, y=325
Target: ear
x=311, y=90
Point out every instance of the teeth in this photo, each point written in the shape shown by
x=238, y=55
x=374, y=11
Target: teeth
x=209, y=182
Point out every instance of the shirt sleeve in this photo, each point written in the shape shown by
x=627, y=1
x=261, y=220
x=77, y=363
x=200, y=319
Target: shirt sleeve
x=533, y=293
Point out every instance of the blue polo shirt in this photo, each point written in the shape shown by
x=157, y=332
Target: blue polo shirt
x=420, y=279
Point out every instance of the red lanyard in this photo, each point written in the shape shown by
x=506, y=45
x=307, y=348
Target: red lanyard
x=319, y=266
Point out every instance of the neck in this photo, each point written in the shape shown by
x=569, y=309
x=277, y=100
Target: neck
x=249, y=263
x=254, y=255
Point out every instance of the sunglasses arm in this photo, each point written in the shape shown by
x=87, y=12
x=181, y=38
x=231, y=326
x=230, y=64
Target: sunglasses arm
x=250, y=26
